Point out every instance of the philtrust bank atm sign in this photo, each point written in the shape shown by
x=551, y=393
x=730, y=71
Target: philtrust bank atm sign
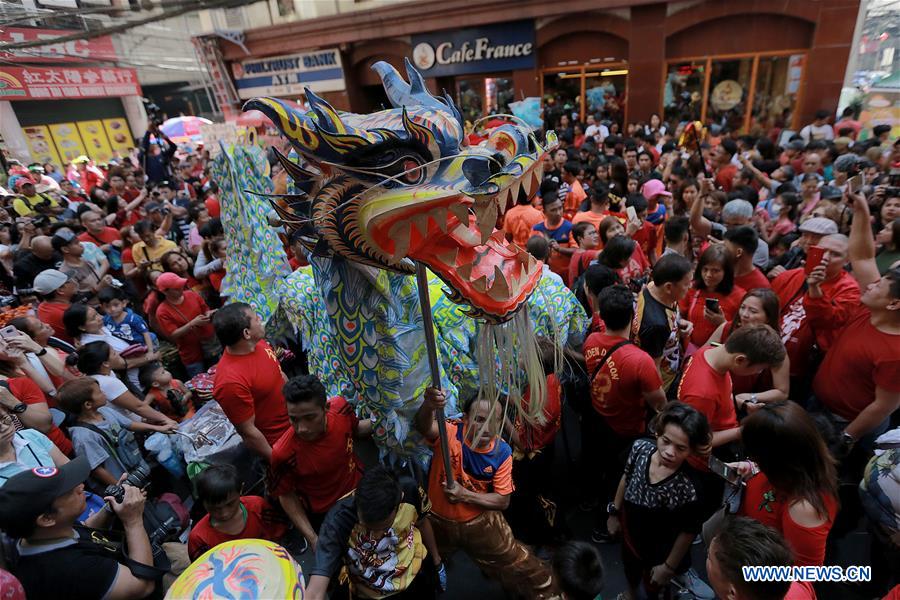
x=482, y=50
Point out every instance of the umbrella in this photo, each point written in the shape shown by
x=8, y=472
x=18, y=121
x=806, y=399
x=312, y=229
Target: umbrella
x=254, y=118
x=184, y=129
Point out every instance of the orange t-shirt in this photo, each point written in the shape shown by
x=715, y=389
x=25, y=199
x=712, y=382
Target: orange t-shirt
x=519, y=220
x=494, y=464
x=574, y=199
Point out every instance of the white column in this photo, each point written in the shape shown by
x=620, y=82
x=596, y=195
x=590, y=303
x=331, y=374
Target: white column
x=136, y=115
x=13, y=137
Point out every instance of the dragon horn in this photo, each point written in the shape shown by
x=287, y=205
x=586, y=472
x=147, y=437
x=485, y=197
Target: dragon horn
x=416, y=83
x=296, y=126
x=326, y=117
x=397, y=90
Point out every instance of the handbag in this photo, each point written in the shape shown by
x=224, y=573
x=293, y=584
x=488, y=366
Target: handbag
x=134, y=350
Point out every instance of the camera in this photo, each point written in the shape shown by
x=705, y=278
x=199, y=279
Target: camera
x=164, y=211
x=892, y=191
x=138, y=477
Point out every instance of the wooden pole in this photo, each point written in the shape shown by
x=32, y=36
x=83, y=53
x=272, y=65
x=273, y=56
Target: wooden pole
x=431, y=347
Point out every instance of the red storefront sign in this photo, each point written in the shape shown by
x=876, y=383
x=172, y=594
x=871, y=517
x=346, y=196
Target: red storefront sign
x=100, y=48
x=61, y=83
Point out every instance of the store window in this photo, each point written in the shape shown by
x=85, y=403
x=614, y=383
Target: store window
x=584, y=89
x=744, y=93
x=478, y=97
x=469, y=99
x=683, y=92
x=775, y=97
x=498, y=93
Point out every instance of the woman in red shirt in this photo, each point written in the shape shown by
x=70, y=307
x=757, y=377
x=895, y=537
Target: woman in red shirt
x=794, y=490
x=759, y=307
x=713, y=279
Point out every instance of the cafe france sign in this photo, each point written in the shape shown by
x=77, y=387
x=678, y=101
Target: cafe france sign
x=493, y=48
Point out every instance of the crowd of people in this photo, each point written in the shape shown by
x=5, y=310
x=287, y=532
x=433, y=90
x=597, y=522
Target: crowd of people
x=740, y=371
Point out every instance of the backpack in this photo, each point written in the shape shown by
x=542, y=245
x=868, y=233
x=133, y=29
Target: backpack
x=124, y=449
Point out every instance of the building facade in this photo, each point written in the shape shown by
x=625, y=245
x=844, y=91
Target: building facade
x=748, y=65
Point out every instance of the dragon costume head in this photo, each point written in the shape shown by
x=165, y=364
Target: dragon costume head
x=401, y=185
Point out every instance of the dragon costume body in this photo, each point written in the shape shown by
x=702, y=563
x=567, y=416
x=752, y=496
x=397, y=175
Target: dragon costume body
x=370, y=196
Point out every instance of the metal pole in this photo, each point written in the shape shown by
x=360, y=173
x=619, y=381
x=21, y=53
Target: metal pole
x=428, y=324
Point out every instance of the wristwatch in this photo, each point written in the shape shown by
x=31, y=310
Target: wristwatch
x=847, y=440
x=41, y=353
x=612, y=510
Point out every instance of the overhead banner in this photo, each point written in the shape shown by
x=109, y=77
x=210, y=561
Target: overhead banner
x=61, y=83
x=320, y=71
x=100, y=48
x=479, y=50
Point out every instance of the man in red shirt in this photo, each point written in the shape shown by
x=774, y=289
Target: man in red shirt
x=624, y=382
x=725, y=169
x=56, y=288
x=466, y=507
x=249, y=379
x=858, y=383
x=313, y=463
x=184, y=318
x=742, y=242
x=706, y=382
x=106, y=238
x=834, y=296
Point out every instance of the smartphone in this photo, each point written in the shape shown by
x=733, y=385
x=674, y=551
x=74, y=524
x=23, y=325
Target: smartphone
x=632, y=214
x=855, y=184
x=712, y=304
x=724, y=471
x=814, y=257
x=9, y=332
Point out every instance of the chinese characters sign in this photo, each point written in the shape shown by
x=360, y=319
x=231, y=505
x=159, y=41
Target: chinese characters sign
x=61, y=83
x=72, y=51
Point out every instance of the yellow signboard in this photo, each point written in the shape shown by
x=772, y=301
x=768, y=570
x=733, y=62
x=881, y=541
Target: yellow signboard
x=43, y=150
x=68, y=141
x=118, y=133
x=94, y=138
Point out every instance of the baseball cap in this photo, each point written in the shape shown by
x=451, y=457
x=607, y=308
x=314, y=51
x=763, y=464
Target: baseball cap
x=170, y=281
x=819, y=226
x=152, y=207
x=22, y=182
x=796, y=145
x=49, y=281
x=61, y=238
x=829, y=192
x=654, y=187
x=28, y=494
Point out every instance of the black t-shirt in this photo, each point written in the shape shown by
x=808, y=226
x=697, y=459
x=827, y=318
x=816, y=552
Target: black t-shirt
x=655, y=331
x=28, y=266
x=655, y=514
x=63, y=570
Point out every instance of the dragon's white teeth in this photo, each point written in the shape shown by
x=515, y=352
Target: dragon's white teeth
x=513, y=193
x=399, y=233
x=485, y=219
x=528, y=184
x=461, y=212
x=449, y=257
x=421, y=223
x=539, y=171
x=500, y=287
x=532, y=263
x=522, y=256
x=440, y=217
x=480, y=284
x=466, y=235
x=465, y=271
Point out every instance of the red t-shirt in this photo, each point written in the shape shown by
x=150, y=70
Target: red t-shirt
x=725, y=177
x=263, y=522
x=534, y=436
x=249, y=385
x=693, y=304
x=806, y=321
x=752, y=280
x=771, y=508
x=580, y=262
x=51, y=313
x=617, y=390
x=107, y=236
x=322, y=471
x=174, y=316
x=708, y=391
x=162, y=403
x=636, y=266
x=28, y=392
x=212, y=207
x=861, y=359
x=646, y=237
